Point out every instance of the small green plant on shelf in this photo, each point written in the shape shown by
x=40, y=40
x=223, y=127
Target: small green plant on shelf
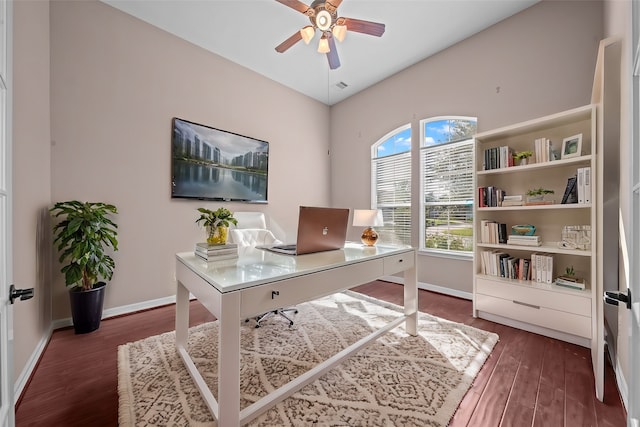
x=539, y=192
x=523, y=155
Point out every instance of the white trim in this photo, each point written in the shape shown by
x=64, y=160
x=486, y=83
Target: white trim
x=119, y=311
x=30, y=366
x=433, y=288
x=623, y=388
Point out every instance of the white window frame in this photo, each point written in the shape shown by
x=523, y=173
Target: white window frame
x=464, y=255
x=374, y=156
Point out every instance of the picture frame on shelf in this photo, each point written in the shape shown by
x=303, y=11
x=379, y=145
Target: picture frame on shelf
x=572, y=146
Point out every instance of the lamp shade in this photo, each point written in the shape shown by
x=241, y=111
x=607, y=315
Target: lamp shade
x=323, y=46
x=367, y=218
x=307, y=33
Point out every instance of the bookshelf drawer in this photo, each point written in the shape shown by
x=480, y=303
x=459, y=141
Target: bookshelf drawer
x=578, y=304
x=535, y=315
x=398, y=263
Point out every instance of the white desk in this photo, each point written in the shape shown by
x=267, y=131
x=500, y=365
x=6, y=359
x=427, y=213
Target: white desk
x=259, y=281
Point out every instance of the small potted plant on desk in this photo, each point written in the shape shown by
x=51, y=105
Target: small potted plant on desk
x=522, y=156
x=217, y=224
x=81, y=238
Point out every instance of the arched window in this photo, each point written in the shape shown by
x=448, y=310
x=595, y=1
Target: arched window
x=391, y=184
x=446, y=163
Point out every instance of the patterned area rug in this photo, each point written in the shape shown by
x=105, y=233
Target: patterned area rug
x=398, y=380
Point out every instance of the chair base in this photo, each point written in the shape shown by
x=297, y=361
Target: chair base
x=279, y=312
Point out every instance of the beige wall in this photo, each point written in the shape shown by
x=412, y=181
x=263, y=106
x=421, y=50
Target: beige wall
x=31, y=177
x=116, y=82
x=538, y=62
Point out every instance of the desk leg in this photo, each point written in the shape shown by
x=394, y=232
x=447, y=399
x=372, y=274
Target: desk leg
x=411, y=298
x=229, y=361
x=182, y=315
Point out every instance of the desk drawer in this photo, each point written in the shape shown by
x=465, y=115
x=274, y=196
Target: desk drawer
x=259, y=299
x=535, y=315
x=397, y=263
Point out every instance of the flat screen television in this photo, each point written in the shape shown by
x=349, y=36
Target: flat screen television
x=213, y=164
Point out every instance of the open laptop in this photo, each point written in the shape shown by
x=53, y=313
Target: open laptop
x=319, y=229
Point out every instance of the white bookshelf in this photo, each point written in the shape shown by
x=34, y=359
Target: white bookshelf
x=547, y=309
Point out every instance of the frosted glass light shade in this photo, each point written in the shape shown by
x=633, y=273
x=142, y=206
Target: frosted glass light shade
x=323, y=46
x=307, y=33
x=339, y=32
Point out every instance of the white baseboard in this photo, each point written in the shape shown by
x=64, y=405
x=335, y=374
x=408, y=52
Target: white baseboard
x=119, y=311
x=434, y=288
x=21, y=382
x=622, y=385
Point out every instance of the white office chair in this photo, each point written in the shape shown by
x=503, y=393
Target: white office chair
x=252, y=231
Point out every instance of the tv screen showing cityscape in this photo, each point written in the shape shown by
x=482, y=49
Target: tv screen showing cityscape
x=213, y=164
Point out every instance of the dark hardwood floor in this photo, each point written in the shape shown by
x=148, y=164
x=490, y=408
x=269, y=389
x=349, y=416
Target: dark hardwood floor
x=528, y=380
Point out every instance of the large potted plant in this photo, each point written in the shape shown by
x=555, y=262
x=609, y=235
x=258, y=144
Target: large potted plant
x=216, y=223
x=81, y=238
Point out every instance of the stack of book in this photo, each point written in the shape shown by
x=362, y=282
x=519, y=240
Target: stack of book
x=514, y=200
x=570, y=282
x=517, y=239
x=216, y=252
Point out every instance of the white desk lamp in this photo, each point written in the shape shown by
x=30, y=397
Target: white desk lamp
x=368, y=218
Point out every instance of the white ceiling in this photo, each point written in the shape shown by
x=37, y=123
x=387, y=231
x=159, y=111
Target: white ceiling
x=247, y=32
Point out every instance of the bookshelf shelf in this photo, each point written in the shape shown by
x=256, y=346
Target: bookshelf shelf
x=574, y=161
x=537, y=305
x=554, y=206
x=548, y=247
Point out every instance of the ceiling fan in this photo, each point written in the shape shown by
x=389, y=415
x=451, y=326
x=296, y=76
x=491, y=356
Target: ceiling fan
x=324, y=17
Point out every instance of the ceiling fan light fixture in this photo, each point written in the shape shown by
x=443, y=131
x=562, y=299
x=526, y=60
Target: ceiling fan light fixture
x=339, y=32
x=323, y=46
x=307, y=33
x=323, y=20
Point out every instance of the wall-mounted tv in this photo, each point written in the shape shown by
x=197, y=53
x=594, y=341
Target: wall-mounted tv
x=213, y=164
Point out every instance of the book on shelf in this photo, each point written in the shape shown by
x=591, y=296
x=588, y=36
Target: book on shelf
x=584, y=184
x=498, y=157
x=520, y=242
x=587, y=184
x=570, y=282
x=570, y=192
x=544, y=150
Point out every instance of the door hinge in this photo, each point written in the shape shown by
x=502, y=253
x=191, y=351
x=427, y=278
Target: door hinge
x=614, y=298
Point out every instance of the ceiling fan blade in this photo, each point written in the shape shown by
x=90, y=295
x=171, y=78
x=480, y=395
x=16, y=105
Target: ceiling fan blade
x=295, y=38
x=360, y=26
x=332, y=5
x=297, y=5
x=332, y=55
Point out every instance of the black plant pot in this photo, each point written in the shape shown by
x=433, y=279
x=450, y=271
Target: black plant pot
x=86, y=308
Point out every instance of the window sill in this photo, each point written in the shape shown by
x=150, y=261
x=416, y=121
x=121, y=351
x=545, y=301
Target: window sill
x=446, y=254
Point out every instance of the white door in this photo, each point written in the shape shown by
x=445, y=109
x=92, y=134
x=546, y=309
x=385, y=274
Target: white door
x=6, y=313
x=634, y=245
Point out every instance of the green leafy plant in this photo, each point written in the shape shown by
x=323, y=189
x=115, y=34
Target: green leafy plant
x=81, y=238
x=217, y=218
x=523, y=155
x=539, y=192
